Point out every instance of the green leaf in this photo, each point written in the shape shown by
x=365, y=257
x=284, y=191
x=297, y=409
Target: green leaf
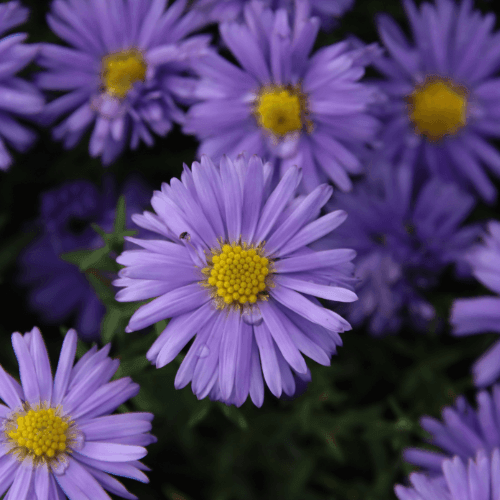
x=110, y=324
x=121, y=216
x=76, y=257
x=234, y=415
x=199, y=414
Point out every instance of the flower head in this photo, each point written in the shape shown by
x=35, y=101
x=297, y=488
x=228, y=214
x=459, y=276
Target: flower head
x=482, y=314
x=60, y=289
x=121, y=73
x=57, y=436
x=479, y=480
x=442, y=105
x=17, y=96
x=464, y=432
x=235, y=269
x=282, y=104
x=405, y=234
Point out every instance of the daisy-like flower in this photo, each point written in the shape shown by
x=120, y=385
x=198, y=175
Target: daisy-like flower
x=479, y=480
x=58, y=438
x=482, y=314
x=282, y=104
x=404, y=235
x=59, y=289
x=235, y=270
x=232, y=10
x=17, y=96
x=443, y=100
x=464, y=431
x=121, y=72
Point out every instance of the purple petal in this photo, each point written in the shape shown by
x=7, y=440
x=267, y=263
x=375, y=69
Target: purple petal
x=124, y=469
x=486, y=369
x=228, y=353
x=326, y=292
x=273, y=320
x=268, y=358
x=112, y=452
x=8, y=471
x=256, y=382
x=113, y=426
x=304, y=307
x=42, y=365
x=8, y=391
x=26, y=369
x=22, y=482
x=316, y=260
x=107, y=398
x=178, y=333
x=314, y=231
x=171, y=304
x=303, y=213
x=276, y=202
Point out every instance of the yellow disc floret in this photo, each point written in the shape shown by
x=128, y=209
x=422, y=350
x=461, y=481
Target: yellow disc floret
x=40, y=432
x=237, y=274
x=281, y=110
x=121, y=70
x=438, y=108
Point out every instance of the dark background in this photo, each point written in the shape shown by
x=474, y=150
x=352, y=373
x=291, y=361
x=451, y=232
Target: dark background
x=342, y=439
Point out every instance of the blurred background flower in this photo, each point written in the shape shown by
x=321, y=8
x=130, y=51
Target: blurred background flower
x=58, y=290
x=405, y=235
x=482, y=314
x=443, y=104
x=18, y=97
x=283, y=104
x=120, y=73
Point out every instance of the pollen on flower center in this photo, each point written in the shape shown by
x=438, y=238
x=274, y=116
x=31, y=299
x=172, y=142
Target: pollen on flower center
x=41, y=433
x=438, y=108
x=121, y=70
x=281, y=110
x=237, y=274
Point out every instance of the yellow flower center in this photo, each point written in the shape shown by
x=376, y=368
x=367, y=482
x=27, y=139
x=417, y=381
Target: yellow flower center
x=281, y=110
x=40, y=433
x=237, y=274
x=121, y=70
x=438, y=108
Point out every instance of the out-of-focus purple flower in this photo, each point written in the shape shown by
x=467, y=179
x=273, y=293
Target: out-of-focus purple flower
x=121, y=72
x=234, y=270
x=444, y=101
x=404, y=234
x=17, y=96
x=464, y=431
x=482, y=314
x=479, y=480
x=232, y=10
x=282, y=104
x=58, y=288
x=57, y=436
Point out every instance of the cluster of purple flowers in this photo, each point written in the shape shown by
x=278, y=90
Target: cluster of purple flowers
x=246, y=242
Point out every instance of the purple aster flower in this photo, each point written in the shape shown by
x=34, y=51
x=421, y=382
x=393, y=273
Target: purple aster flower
x=17, y=96
x=58, y=288
x=479, y=480
x=282, y=104
x=74, y=443
x=443, y=101
x=482, y=314
x=404, y=235
x=464, y=431
x=234, y=269
x=121, y=72
x=232, y=10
